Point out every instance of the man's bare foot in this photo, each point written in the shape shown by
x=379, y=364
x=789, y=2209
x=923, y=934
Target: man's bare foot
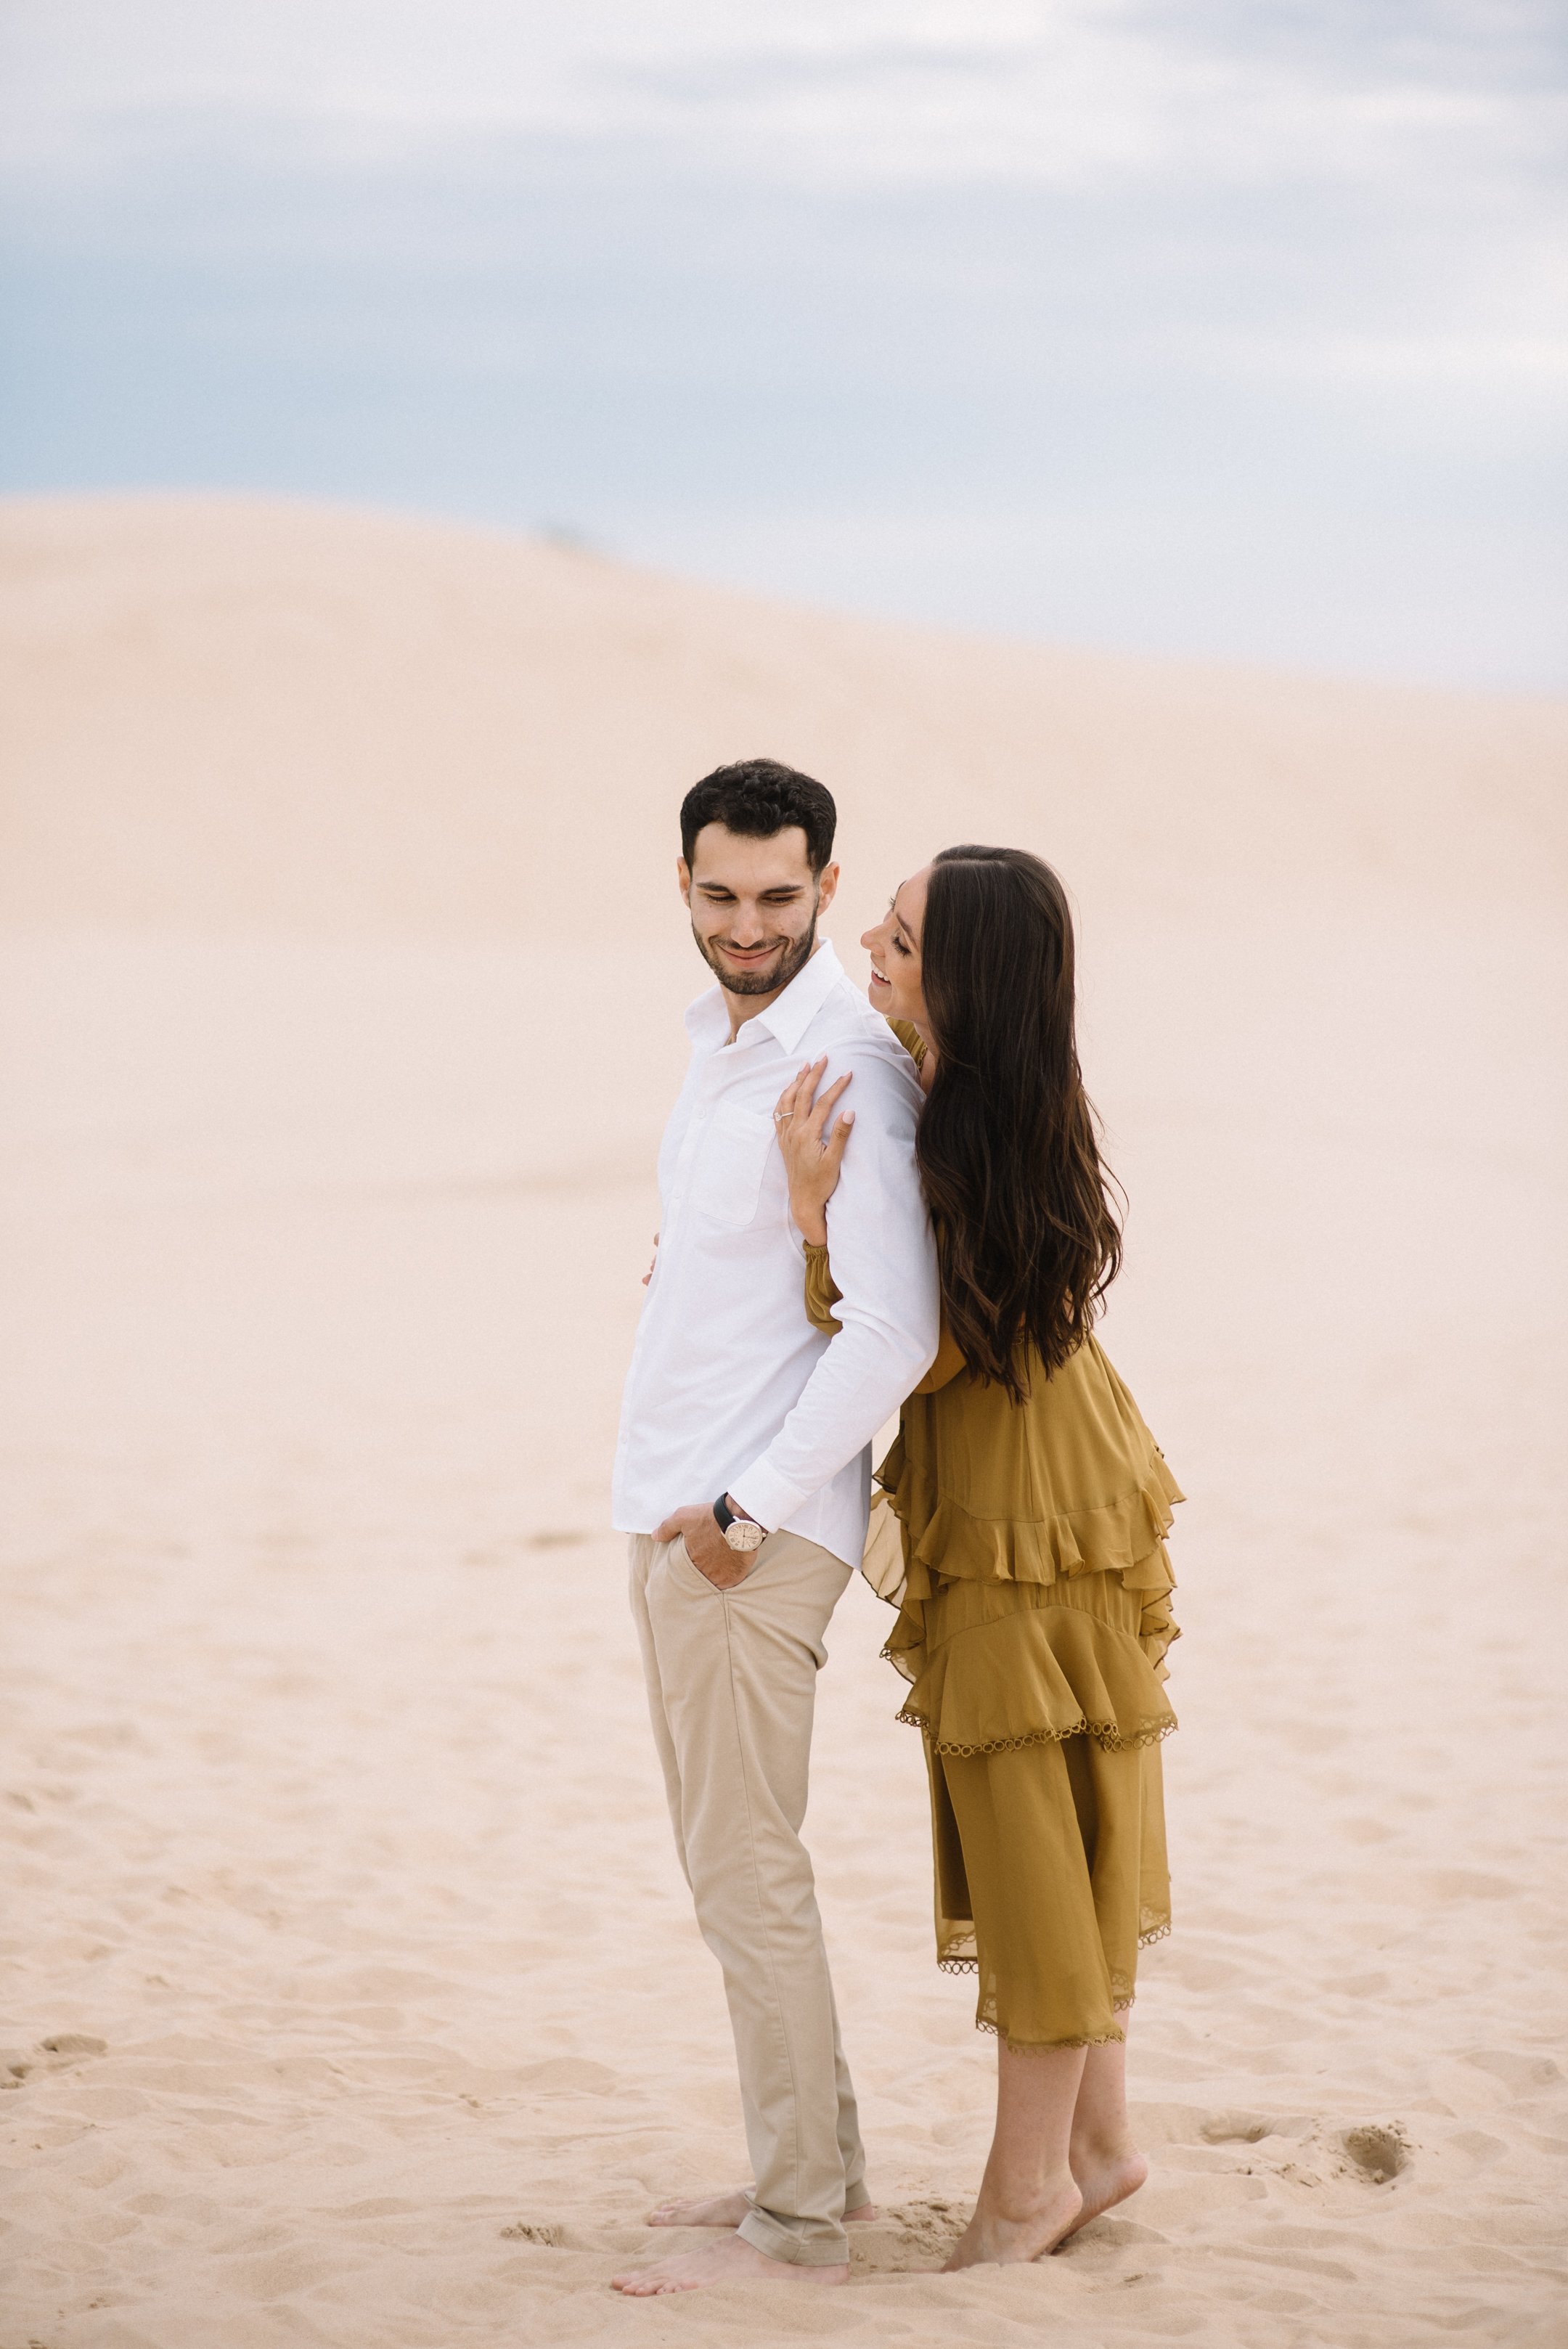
x=733, y=2261
x=1104, y=2180
x=726, y=2206
x=998, y=2238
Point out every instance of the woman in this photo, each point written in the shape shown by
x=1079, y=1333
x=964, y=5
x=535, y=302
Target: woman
x=1032, y=1505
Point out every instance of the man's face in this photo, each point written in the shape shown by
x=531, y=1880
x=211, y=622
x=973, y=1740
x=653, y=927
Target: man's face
x=754, y=905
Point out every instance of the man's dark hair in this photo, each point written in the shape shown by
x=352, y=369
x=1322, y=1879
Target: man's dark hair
x=758, y=797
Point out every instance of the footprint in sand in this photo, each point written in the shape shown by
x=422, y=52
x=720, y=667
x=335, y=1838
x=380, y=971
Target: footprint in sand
x=530, y=2231
x=70, y=2046
x=1243, y=2128
x=926, y=2231
x=55, y=2054
x=1518, y=2073
x=1379, y=2154
x=1376, y=2153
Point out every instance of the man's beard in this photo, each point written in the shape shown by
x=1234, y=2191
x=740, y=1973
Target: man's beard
x=762, y=982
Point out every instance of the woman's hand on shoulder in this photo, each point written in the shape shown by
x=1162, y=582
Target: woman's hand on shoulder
x=813, y=1151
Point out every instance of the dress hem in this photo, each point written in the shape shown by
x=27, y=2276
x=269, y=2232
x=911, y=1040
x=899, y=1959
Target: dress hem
x=1048, y=2046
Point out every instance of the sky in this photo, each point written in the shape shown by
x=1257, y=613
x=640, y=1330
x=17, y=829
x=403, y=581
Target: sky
x=1216, y=327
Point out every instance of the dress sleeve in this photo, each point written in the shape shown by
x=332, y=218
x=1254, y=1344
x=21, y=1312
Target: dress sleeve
x=822, y=1292
x=949, y=1363
x=913, y=1043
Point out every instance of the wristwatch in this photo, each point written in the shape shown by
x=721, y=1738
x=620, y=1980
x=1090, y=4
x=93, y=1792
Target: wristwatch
x=741, y=1533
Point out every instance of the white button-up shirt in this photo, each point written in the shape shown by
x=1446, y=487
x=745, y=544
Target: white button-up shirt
x=731, y=1389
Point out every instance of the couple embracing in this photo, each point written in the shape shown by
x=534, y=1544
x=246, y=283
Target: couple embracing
x=868, y=1207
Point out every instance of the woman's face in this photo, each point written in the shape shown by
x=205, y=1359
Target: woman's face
x=894, y=947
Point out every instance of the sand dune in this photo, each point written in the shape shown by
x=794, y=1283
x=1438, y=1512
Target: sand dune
x=350, y=1994
x=243, y=714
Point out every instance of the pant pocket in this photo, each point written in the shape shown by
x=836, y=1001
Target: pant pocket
x=684, y=1571
x=680, y=1566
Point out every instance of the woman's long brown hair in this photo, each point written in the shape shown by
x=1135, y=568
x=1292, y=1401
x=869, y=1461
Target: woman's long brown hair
x=1026, y=1234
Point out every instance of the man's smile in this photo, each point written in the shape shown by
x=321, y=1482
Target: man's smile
x=750, y=954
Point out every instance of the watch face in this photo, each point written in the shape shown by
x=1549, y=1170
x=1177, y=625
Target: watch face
x=743, y=1535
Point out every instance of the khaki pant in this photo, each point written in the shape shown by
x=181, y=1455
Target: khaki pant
x=732, y=1686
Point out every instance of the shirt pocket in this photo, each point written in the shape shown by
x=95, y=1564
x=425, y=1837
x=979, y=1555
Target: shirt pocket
x=732, y=1160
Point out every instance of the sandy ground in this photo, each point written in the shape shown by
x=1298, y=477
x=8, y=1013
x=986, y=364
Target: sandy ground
x=348, y=1991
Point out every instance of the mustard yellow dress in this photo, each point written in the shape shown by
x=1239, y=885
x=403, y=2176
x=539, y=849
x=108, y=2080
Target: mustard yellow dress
x=1034, y=1618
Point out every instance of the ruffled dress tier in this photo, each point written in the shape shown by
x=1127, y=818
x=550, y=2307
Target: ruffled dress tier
x=1032, y=1587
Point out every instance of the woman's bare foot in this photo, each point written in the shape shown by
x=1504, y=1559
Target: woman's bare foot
x=733, y=2261
x=1104, y=2179
x=995, y=2237
x=725, y=2206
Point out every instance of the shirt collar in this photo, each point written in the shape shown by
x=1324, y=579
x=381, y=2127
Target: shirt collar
x=786, y=1019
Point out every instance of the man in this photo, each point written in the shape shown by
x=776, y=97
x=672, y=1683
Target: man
x=743, y=1475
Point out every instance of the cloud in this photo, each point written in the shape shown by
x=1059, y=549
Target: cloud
x=1071, y=93
x=905, y=292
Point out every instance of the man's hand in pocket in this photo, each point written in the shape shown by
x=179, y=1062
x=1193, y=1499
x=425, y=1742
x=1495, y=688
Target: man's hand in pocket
x=706, y=1548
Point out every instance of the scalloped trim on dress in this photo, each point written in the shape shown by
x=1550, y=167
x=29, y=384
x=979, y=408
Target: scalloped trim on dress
x=1047, y=2046
x=1107, y=1734
x=1031, y=2046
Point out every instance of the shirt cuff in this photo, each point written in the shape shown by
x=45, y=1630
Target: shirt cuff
x=762, y=1494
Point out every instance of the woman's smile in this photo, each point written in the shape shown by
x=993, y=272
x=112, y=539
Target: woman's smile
x=894, y=947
